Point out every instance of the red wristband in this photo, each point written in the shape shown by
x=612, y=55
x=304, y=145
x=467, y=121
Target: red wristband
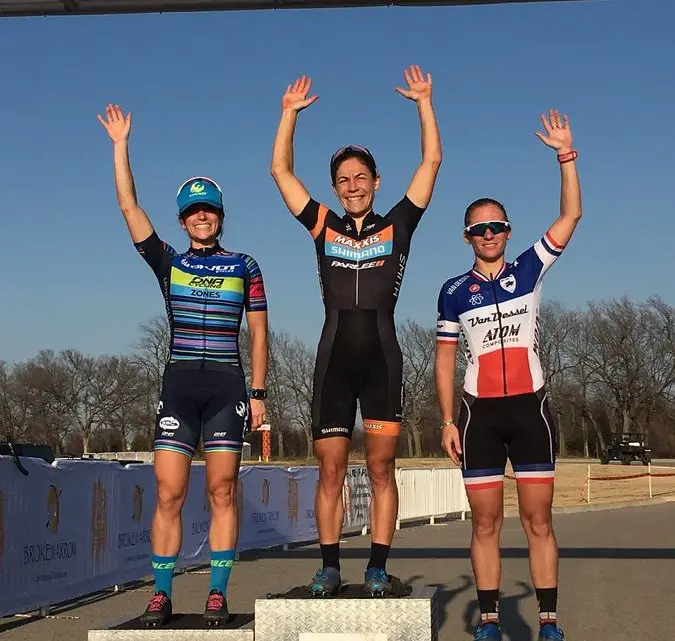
x=568, y=157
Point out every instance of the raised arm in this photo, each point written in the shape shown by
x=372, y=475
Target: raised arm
x=559, y=137
x=118, y=127
x=423, y=181
x=293, y=102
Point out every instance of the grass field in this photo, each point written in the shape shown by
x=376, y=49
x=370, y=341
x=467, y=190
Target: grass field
x=570, y=484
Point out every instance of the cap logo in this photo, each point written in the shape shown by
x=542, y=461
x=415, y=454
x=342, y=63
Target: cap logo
x=197, y=188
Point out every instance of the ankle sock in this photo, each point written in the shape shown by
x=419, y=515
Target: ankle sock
x=162, y=569
x=379, y=552
x=488, y=602
x=548, y=603
x=222, y=562
x=330, y=552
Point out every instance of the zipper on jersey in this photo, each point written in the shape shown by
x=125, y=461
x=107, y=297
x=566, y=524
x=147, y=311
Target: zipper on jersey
x=358, y=265
x=501, y=332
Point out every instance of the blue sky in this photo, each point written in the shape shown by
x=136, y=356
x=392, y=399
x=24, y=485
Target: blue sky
x=205, y=91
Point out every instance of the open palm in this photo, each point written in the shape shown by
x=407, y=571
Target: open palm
x=419, y=87
x=295, y=98
x=116, y=124
x=558, y=133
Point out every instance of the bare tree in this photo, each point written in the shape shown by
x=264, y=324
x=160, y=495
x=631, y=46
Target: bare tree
x=632, y=356
x=418, y=349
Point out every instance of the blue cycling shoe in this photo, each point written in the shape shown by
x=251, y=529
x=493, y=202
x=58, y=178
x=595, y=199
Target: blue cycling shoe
x=378, y=583
x=550, y=632
x=326, y=582
x=487, y=632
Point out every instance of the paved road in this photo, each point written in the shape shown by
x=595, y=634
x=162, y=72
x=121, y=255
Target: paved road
x=616, y=579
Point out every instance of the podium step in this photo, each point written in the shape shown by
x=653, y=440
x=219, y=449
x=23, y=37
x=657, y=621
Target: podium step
x=181, y=627
x=296, y=616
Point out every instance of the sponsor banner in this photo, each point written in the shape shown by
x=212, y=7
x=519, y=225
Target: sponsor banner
x=79, y=526
x=55, y=532
x=356, y=497
x=302, y=484
x=136, y=494
x=263, y=507
x=196, y=520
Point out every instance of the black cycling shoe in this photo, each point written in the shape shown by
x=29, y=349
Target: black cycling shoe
x=216, y=612
x=158, y=611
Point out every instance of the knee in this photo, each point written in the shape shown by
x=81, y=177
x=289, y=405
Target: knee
x=332, y=474
x=382, y=472
x=170, y=497
x=537, y=524
x=223, y=494
x=486, y=525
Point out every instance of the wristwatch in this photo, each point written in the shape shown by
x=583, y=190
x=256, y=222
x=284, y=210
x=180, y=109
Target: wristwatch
x=257, y=394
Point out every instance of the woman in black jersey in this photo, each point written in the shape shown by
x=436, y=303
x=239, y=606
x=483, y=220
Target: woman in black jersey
x=362, y=258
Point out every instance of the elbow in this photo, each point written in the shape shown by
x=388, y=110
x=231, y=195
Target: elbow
x=433, y=160
x=278, y=169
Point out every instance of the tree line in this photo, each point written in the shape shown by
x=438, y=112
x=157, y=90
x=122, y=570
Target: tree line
x=610, y=368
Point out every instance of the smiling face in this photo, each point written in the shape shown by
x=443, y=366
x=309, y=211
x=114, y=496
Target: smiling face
x=488, y=240
x=203, y=223
x=355, y=186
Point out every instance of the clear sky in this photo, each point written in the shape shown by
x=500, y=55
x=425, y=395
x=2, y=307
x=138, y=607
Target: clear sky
x=205, y=91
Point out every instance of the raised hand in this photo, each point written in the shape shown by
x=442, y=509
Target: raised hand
x=558, y=133
x=295, y=99
x=419, y=87
x=117, y=124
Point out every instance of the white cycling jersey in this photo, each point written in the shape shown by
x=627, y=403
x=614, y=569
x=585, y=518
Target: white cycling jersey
x=498, y=319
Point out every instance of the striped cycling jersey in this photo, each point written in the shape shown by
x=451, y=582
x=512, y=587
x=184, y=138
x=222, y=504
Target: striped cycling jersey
x=206, y=292
x=498, y=319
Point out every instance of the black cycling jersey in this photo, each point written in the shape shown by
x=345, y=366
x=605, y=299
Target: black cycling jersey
x=358, y=357
x=361, y=269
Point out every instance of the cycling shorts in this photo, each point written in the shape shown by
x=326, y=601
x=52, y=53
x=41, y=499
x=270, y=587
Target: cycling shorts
x=520, y=428
x=195, y=402
x=358, y=359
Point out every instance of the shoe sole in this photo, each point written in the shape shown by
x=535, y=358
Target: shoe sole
x=323, y=593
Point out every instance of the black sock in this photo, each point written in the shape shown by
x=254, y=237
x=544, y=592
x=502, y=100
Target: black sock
x=548, y=602
x=488, y=601
x=331, y=555
x=378, y=555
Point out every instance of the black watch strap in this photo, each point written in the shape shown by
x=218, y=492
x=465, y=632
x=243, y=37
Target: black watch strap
x=258, y=394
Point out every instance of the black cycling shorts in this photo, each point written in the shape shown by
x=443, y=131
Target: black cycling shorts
x=212, y=403
x=520, y=428
x=358, y=359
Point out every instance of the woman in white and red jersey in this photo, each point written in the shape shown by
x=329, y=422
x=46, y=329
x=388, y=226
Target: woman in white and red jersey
x=504, y=410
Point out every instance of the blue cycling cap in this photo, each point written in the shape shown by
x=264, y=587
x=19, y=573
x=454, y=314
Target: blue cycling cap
x=199, y=190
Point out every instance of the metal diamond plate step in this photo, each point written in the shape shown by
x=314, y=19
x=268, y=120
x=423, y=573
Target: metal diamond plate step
x=292, y=617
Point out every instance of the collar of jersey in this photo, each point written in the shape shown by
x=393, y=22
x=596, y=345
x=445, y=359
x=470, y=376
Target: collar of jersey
x=205, y=251
x=370, y=216
x=480, y=276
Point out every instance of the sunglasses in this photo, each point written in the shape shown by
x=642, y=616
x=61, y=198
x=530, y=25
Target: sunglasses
x=203, y=179
x=495, y=226
x=344, y=150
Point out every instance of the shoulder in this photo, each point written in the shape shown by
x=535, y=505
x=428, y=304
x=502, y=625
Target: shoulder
x=245, y=259
x=456, y=285
x=405, y=206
